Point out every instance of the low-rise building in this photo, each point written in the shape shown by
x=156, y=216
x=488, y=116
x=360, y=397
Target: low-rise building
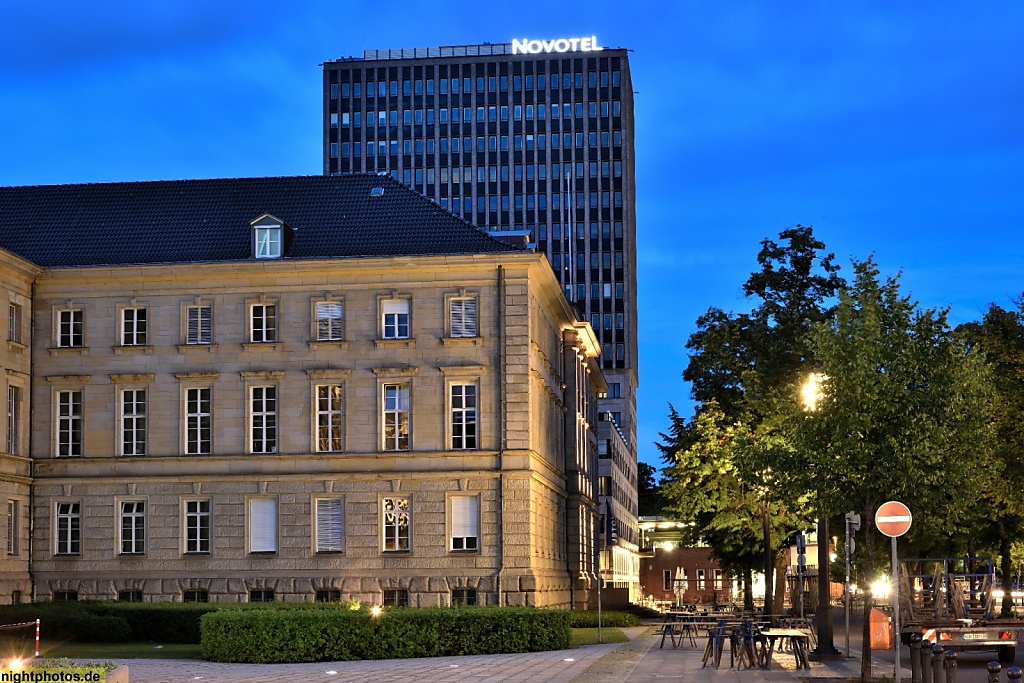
x=316, y=388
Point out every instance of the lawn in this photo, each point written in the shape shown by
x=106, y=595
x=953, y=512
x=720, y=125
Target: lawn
x=588, y=636
x=105, y=651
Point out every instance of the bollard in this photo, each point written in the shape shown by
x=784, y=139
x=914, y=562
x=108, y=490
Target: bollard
x=950, y=667
x=926, y=661
x=1013, y=674
x=993, y=672
x=915, y=658
x=938, y=674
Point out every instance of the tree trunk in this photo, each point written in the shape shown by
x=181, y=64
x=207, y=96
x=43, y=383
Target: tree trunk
x=1006, y=562
x=866, y=576
x=748, y=589
x=779, y=602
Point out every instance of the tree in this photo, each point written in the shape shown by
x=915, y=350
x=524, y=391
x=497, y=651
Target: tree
x=739, y=360
x=649, y=499
x=1000, y=337
x=724, y=483
x=901, y=415
x=739, y=365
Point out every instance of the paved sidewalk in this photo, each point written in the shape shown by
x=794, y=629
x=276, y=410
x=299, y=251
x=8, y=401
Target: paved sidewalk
x=559, y=666
x=639, y=661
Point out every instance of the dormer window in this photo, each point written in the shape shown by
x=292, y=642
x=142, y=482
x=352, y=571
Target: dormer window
x=268, y=241
x=268, y=236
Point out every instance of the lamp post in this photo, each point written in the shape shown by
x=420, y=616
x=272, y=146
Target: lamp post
x=811, y=392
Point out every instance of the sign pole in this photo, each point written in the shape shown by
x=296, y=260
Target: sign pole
x=893, y=519
x=896, y=608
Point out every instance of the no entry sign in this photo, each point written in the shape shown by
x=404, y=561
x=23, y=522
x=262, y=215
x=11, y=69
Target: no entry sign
x=893, y=518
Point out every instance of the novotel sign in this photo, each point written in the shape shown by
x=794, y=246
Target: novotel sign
x=536, y=47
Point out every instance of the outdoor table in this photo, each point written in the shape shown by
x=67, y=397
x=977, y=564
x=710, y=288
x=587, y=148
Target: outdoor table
x=681, y=625
x=794, y=637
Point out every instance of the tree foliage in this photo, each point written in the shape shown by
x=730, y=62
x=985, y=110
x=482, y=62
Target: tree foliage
x=719, y=472
x=738, y=360
x=1000, y=337
x=902, y=415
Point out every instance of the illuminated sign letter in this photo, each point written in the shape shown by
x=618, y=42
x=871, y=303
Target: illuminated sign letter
x=535, y=47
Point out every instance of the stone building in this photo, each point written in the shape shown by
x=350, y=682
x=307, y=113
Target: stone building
x=315, y=388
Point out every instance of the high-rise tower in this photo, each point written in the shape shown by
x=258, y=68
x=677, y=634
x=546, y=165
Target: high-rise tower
x=534, y=136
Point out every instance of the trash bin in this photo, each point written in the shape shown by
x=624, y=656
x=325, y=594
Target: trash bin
x=881, y=630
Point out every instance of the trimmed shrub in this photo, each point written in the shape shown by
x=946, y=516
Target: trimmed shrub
x=315, y=635
x=613, y=618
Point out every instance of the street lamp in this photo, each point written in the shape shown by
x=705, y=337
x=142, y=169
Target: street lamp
x=811, y=393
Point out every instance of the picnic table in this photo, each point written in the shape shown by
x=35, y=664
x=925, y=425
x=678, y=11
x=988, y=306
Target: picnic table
x=795, y=638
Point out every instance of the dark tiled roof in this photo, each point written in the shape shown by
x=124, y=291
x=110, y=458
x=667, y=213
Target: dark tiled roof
x=209, y=220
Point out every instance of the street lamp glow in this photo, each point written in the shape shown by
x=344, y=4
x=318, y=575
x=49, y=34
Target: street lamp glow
x=376, y=611
x=881, y=588
x=810, y=392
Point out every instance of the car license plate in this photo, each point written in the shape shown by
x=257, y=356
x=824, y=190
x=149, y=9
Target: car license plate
x=977, y=636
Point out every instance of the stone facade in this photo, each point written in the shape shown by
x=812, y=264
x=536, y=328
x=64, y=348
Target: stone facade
x=16, y=276
x=135, y=493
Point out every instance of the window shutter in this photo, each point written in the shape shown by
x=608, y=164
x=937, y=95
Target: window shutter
x=463, y=312
x=395, y=306
x=329, y=321
x=199, y=319
x=465, y=516
x=329, y=525
x=263, y=525
x=469, y=318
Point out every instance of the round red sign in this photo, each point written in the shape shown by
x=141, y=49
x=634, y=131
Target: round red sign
x=893, y=518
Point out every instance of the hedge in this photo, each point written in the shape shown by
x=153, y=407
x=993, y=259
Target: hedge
x=112, y=622
x=588, y=618
x=280, y=636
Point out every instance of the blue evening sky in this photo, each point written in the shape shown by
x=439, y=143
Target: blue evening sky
x=894, y=128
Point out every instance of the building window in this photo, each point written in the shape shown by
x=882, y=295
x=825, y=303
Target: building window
x=268, y=241
x=330, y=525
x=264, y=323
x=463, y=416
x=666, y=579
x=463, y=597
x=700, y=580
x=396, y=597
x=133, y=422
x=265, y=595
x=329, y=419
x=195, y=596
x=395, y=524
x=719, y=583
x=70, y=324
x=465, y=522
x=65, y=596
x=264, y=420
x=198, y=420
x=396, y=318
x=328, y=595
x=13, y=525
x=129, y=596
x=133, y=327
x=396, y=417
x=14, y=420
x=197, y=528
x=14, y=323
x=199, y=325
x=69, y=423
x=263, y=525
x=329, y=321
x=69, y=529
x=463, y=317
x=133, y=528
